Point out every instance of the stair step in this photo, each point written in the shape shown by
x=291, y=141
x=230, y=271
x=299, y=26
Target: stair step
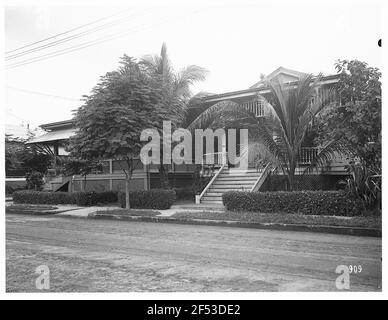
x=227, y=190
x=213, y=194
x=211, y=201
x=216, y=200
x=239, y=177
x=231, y=186
x=239, y=173
x=216, y=191
x=236, y=178
x=239, y=182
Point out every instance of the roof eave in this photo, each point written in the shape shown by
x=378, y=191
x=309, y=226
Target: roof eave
x=263, y=89
x=57, y=125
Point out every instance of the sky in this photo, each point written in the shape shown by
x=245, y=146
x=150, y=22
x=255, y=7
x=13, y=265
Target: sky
x=235, y=41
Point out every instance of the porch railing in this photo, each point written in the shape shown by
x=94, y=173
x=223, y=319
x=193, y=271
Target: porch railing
x=256, y=106
x=307, y=155
x=216, y=158
x=211, y=162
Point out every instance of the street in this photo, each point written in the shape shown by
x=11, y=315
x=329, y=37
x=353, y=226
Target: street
x=85, y=255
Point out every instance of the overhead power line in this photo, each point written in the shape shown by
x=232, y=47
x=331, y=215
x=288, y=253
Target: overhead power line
x=67, y=50
x=69, y=38
x=81, y=46
x=9, y=112
x=43, y=94
x=66, y=32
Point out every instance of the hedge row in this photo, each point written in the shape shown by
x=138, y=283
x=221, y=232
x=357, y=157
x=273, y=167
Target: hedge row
x=337, y=203
x=78, y=198
x=9, y=190
x=151, y=199
x=185, y=193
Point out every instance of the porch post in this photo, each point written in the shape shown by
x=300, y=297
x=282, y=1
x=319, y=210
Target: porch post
x=224, y=150
x=146, y=177
x=110, y=173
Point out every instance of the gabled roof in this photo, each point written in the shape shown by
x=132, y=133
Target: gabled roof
x=288, y=75
x=55, y=131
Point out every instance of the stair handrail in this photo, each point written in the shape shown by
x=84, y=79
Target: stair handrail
x=199, y=197
x=259, y=180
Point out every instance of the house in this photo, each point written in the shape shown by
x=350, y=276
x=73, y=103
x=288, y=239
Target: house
x=222, y=177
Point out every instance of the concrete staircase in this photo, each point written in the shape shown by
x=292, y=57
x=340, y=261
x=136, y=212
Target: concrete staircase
x=233, y=180
x=54, y=183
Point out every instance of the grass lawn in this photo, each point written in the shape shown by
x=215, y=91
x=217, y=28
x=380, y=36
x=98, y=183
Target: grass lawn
x=250, y=217
x=131, y=212
x=31, y=209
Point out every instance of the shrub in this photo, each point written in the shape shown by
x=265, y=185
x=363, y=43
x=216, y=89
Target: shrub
x=92, y=198
x=185, y=193
x=34, y=180
x=78, y=198
x=151, y=199
x=365, y=185
x=9, y=190
x=107, y=197
x=85, y=199
x=302, y=202
x=39, y=197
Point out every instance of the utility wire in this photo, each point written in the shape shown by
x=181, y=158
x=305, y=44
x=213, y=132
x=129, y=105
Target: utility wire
x=78, y=47
x=43, y=94
x=69, y=38
x=67, y=50
x=66, y=32
x=20, y=118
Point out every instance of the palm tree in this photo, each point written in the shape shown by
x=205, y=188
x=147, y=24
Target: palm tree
x=281, y=133
x=176, y=90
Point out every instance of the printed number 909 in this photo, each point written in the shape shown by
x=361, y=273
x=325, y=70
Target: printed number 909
x=355, y=269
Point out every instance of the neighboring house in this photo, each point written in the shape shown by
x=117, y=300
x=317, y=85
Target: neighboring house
x=223, y=178
x=14, y=173
x=17, y=131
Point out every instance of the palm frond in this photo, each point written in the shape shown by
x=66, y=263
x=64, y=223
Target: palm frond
x=328, y=153
x=319, y=102
x=277, y=100
x=264, y=135
x=224, y=111
x=186, y=77
x=151, y=62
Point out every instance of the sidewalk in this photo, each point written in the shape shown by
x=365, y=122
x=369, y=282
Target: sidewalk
x=167, y=216
x=79, y=212
x=84, y=212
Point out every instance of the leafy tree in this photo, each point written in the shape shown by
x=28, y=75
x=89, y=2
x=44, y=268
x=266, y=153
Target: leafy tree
x=34, y=159
x=83, y=167
x=13, y=146
x=176, y=92
x=357, y=119
x=25, y=157
x=279, y=135
x=120, y=107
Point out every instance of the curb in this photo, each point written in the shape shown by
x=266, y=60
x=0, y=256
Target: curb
x=353, y=231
